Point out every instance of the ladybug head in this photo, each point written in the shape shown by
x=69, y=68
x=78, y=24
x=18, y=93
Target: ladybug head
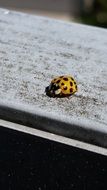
x=53, y=90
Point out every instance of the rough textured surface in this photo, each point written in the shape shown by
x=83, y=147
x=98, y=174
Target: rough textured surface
x=33, y=50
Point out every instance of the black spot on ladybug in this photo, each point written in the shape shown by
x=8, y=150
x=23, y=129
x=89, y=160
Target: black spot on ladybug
x=65, y=88
x=76, y=87
x=74, y=82
x=71, y=89
x=57, y=81
x=66, y=79
x=71, y=84
x=62, y=83
x=72, y=79
x=61, y=76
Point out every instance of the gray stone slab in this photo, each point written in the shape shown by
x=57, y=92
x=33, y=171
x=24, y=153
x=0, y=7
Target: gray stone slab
x=33, y=50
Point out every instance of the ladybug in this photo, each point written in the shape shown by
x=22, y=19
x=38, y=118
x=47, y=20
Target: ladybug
x=61, y=86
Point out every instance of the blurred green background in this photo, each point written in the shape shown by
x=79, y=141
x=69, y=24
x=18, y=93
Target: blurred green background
x=95, y=13
x=91, y=12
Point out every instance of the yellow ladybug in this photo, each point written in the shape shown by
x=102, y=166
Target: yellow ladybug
x=61, y=87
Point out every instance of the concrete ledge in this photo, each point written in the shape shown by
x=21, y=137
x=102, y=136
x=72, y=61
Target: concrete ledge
x=52, y=137
x=83, y=130
x=33, y=50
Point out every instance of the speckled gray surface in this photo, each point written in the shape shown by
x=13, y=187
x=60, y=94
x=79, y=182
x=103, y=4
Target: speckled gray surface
x=33, y=50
